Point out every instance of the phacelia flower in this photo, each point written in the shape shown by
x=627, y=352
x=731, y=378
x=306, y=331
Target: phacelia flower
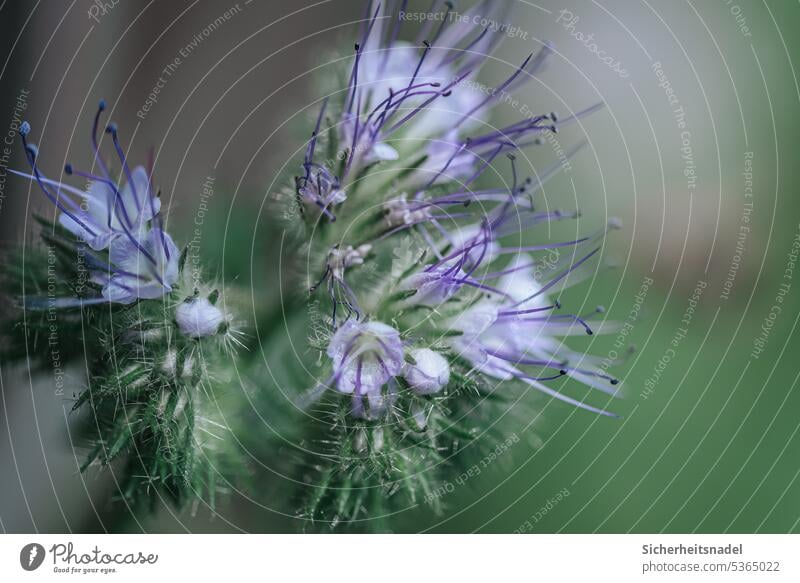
x=130, y=255
x=503, y=335
x=365, y=356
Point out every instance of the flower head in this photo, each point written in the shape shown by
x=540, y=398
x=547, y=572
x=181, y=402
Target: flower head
x=418, y=111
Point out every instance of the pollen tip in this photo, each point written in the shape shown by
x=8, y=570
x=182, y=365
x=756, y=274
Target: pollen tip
x=68, y=169
x=614, y=381
x=600, y=309
x=24, y=129
x=111, y=128
x=563, y=372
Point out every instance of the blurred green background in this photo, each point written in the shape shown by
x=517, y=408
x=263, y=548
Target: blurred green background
x=708, y=439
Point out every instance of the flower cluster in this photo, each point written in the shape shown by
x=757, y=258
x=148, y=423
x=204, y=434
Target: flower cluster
x=146, y=331
x=413, y=124
x=424, y=249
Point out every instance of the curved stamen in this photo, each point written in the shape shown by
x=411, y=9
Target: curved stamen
x=58, y=185
x=555, y=394
x=499, y=91
x=114, y=195
x=112, y=129
x=31, y=153
x=514, y=313
x=313, y=143
x=101, y=106
x=559, y=277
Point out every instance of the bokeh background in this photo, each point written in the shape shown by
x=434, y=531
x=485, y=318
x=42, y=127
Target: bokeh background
x=703, y=273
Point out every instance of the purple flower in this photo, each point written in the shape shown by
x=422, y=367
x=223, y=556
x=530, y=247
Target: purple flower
x=365, y=356
x=407, y=99
x=503, y=336
x=140, y=259
x=145, y=268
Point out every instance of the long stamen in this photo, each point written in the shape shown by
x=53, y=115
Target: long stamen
x=458, y=151
x=532, y=381
x=313, y=143
x=425, y=52
x=112, y=129
x=359, y=50
x=31, y=153
x=101, y=106
x=354, y=145
x=114, y=195
x=444, y=92
x=56, y=184
x=559, y=277
x=514, y=313
x=445, y=21
x=498, y=91
x=426, y=26
x=486, y=163
x=460, y=52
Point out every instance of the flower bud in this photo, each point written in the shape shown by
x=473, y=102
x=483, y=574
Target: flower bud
x=429, y=373
x=198, y=317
